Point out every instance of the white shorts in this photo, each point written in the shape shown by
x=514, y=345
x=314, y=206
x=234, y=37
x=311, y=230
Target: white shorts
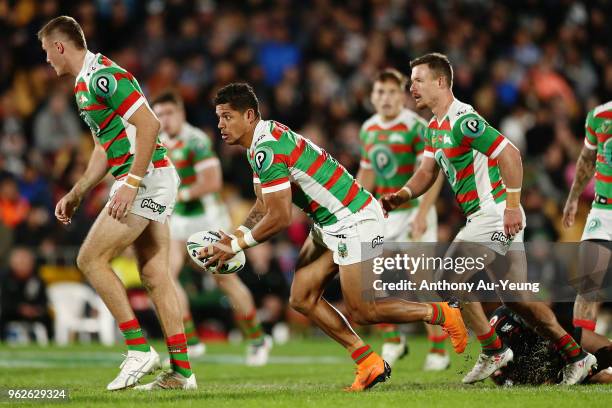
x=181, y=226
x=598, y=225
x=156, y=194
x=486, y=226
x=356, y=238
x=398, y=226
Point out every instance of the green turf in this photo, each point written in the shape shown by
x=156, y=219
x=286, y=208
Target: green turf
x=301, y=373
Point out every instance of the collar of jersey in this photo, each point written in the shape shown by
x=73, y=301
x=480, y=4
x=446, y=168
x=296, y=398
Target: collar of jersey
x=90, y=57
x=259, y=129
x=450, y=108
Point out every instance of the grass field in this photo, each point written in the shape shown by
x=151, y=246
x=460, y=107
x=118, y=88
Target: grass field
x=301, y=373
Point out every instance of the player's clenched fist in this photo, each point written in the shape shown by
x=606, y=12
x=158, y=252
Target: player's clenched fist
x=390, y=202
x=513, y=221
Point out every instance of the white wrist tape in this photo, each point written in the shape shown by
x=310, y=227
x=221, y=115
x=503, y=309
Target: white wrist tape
x=248, y=238
x=130, y=186
x=408, y=190
x=513, y=190
x=134, y=177
x=235, y=246
x=243, y=229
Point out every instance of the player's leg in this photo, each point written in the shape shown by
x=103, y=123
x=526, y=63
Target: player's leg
x=315, y=269
x=107, y=238
x=176, y=261
x=245, y=315
x=151, y=249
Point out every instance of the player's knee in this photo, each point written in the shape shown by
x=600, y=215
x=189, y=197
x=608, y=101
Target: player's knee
x=301, y=303
x=84, y=261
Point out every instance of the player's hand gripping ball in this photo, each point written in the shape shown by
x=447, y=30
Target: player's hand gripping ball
x=204, y=239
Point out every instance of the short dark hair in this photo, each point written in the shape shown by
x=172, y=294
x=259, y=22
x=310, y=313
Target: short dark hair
x=68, y=26
x=438, y=63
x=168, y=97
x=239, y=96
x=392, y=74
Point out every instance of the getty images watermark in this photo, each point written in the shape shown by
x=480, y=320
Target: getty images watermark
x=537, y=271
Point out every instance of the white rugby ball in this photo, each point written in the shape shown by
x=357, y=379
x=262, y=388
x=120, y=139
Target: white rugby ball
x=205, y=238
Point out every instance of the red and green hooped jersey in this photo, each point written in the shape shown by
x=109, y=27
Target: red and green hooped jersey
x=107, y=96
x=598, y=136
x=320, y=186
x=465, y=147
x=391, y=149
x=191, y=152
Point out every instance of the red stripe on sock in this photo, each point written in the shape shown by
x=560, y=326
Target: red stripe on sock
x=359, y=351
x=437, y=339
x=176, y=339
x=180, y=363
x=129, y=325
x=563, y=341
x=585, y=324
x=135, y=342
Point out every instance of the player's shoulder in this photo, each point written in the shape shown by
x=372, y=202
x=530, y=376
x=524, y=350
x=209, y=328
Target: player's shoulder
x=465, y=120
x=105, y=76
x=371, y=122
x=271, y=134
x=602, y=111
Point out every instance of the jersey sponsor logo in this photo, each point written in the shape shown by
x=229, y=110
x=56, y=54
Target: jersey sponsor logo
x=93, y=126
x=378, y=240
x=263, y=158
x=472, y=127
x=83, y=99
x=396, y=138
x=447, y=166
x=152, y=205
x=593, y=225
x=501, y=237
x=384, y=161
x=104, y=84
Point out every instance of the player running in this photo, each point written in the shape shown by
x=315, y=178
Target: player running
x=199, y=207
x=347, y=232
x=595, y=159
x=391, y=146
x=485, y=173
x=125, y=134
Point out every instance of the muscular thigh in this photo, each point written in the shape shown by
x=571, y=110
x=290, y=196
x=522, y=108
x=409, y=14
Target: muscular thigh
x=153, y=244
x=108, y=237
x=314, y=269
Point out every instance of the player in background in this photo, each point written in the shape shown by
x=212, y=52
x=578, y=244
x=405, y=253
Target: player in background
x=199, y=208
x=391, y=146
x=125, y=133
x=346, y=236
x=485, y=172
x=595, y=160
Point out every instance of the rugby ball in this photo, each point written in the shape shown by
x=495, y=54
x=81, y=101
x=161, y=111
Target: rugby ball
x=203, y=239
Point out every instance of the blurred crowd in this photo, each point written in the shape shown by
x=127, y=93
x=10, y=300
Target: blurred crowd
x=532, y=68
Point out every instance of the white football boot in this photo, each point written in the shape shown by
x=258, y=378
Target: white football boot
x=136, y=365
x=257, y=355
x=487, y=365
x=391, y=352
x=436, y=362
x=170, y=380
x=575, y=373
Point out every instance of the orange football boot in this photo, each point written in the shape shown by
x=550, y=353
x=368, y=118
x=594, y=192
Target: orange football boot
x=454, y=326
x=369, y=373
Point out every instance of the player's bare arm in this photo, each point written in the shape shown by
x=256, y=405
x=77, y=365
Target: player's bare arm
x=419, y=183
x=585, y=169
x=147, y=130
x=95, y=172
x=367, y=178
x=277, y=217
x=208, y=180
x=511, y=170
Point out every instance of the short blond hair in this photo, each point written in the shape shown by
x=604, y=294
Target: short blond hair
x=67, y=26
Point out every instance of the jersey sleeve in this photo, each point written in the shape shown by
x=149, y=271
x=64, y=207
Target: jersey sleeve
x=590, y=138
x=473, y=131
x=364, y=161
x=202, y=154
x=119, y=90
x=269, y=167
